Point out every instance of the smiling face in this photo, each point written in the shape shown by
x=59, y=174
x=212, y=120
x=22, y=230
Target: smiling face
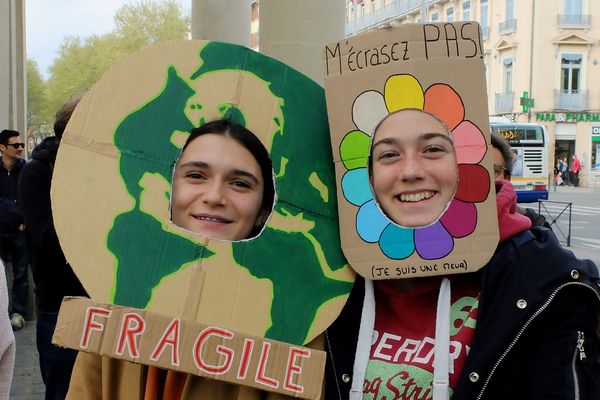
x=217, y=189
x=414, y=173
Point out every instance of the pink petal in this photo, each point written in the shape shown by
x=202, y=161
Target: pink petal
x=469, y=143
x=460, y=219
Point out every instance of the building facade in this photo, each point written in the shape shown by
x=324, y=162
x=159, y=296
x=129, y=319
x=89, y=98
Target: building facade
x=549, y=49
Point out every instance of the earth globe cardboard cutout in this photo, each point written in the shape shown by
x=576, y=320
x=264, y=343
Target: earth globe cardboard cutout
x=112, y=186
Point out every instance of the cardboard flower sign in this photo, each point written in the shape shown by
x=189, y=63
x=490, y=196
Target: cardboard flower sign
x=361, y=97
x=112, y=186
x=460, y=220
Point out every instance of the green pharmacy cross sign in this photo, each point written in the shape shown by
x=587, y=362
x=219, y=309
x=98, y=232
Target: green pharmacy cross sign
x=526, y=102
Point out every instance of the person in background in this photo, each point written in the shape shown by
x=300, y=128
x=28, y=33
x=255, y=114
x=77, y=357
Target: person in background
x=575, y=169
x=558, y=173
x=503, y=165
x=52, y=275
x=565, y=172
x=12, y=238
x=7, y=340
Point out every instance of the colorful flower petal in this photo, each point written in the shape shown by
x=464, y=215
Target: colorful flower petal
x=356, y=188
x=443, y=101
x=403, y=91
x=460, y=219
x=469, y=143
x=474, y=185
x=354, y=150
x=433, y=242
x=396, y=242
x=370, y=222
x=368, y=110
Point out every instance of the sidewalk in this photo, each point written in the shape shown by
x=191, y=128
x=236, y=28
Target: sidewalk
x=572, y=189
x=27, y=381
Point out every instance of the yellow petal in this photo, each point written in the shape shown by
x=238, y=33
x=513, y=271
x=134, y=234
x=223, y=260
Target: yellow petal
x=403, y=91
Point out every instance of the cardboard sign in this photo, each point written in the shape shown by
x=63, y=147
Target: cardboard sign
x=199, y=349
x=112, y=185
x=437, y=68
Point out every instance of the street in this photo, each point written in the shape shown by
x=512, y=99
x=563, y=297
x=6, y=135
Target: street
x=585, y=219
x=27, y=381
x=585, y=243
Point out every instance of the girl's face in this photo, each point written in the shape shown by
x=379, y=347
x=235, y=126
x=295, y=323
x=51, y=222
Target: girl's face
x=414, y=171
x=217, y=189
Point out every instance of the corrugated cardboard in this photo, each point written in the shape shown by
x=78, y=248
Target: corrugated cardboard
x=439, y=68
x=112, y=185
x=191, y=347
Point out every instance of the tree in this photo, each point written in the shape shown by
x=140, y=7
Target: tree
x=36, y=94
x=139, y=25
x=83, y=61
x=80, y=64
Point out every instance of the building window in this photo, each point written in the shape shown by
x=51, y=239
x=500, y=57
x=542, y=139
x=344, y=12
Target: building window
x=570, y=72
x=510, y=10
x=510, y=23
x=573, y=15
x=372, y=5
x=254, y=11
x=466, y=11
x=573, y=7
x=595, y=148
x=508, y=74
x=450, y=14
x=435, y=17
x=483, y=19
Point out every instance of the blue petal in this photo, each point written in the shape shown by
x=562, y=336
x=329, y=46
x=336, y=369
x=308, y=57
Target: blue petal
x=356, y=188
x=397, y=243
x=370, y=222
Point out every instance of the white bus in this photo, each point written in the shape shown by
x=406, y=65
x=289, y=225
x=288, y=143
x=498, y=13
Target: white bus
x=530, y=145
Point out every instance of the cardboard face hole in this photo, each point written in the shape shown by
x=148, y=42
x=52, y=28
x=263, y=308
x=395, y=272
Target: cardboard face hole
x=413, y=168
x=223, y=185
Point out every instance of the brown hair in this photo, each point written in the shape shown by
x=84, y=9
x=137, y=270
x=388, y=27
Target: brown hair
x=63, y=115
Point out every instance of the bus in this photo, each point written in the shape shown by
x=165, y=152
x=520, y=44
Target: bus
x=529, y=142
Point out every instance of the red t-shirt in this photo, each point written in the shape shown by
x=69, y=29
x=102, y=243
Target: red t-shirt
x=402, y=349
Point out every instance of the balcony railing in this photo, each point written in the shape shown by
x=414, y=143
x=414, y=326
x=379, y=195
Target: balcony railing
x=507, y=26
x=574, y=21
x=571, y=100
x=504, y=102
x=388, y=12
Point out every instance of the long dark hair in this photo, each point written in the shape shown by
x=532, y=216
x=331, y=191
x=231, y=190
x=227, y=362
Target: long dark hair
x=251, y=143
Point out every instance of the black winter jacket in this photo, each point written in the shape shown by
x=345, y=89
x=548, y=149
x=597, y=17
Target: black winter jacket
x=52, y=275
x=536, y=334
x=10, y=214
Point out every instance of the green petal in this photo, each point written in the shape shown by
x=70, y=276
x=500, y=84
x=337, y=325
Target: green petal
x=354, y=150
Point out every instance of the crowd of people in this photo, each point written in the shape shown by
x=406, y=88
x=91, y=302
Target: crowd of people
x=566, y=175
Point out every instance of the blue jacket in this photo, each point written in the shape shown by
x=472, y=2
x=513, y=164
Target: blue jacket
x=536, y=334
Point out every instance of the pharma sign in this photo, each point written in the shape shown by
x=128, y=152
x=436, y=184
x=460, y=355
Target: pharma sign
x=567, y=117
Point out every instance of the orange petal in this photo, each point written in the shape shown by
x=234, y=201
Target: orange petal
x=443, y=101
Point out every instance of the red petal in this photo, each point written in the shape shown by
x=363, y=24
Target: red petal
x=474, y=185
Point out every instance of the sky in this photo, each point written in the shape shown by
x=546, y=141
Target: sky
x=48, y=22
